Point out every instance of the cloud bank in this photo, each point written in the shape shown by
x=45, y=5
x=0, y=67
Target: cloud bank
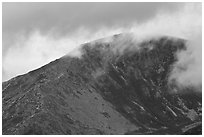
x=37, y=49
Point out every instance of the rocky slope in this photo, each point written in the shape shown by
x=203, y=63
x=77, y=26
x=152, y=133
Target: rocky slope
x=108, y=90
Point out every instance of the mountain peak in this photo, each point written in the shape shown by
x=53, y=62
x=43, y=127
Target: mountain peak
x=119, y=85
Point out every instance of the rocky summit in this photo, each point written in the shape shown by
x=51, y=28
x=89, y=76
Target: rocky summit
x=116, y=86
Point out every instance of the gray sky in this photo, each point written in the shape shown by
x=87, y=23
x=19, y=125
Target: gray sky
x=67, y=17
x=20, y=20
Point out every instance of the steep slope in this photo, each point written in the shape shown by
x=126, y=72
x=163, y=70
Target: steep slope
x=108, y=90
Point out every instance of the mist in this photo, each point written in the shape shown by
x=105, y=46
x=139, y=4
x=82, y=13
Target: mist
x=37, y=49
x=33, y=51
x=185, y=24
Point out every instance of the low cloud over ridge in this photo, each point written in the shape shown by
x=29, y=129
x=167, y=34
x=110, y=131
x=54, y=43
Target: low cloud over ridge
x=38, y=48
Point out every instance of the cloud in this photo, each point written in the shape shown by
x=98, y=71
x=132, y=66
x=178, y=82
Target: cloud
x=186, y=23
x=36, y=33
x=66, y=18
x=36, y=48
x=33, y=51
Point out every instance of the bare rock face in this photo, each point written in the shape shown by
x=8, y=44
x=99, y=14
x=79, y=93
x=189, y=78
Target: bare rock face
x=105, y=91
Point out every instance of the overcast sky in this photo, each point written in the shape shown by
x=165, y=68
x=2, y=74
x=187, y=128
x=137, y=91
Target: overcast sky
x=28, y=26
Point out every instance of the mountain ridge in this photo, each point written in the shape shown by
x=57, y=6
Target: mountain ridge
x=104, y=91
